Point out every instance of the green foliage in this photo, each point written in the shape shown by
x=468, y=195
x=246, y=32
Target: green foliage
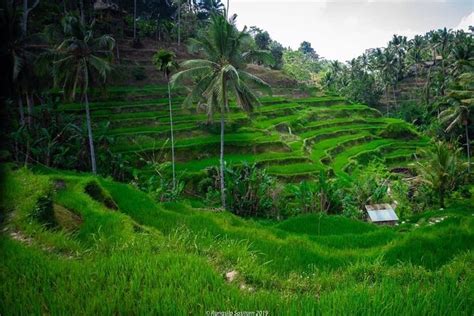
x=307, y=197
x=164, y=60
x=53, y=139
x=300, y=66
x=262, y=40
x=250, y=191
x=305, y=48
x=442, y=169
x=400, y=130
x=276, y=49
x=369, y=185
x=43, y=211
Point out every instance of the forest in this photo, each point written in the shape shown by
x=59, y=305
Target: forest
x=158, y=157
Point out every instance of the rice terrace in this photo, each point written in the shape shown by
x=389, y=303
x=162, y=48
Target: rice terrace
x=194, y=158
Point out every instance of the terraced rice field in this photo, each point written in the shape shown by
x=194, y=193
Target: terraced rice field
x=292, y=138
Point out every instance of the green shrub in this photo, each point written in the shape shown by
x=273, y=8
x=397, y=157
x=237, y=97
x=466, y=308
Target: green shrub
x=399, y=130
x=43, y=211
x=250, y=191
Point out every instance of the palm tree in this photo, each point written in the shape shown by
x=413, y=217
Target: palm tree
x=207, y=7
x=462, y=55
x=415, y=53
x=385, y=62
x=79, y=57
x=135, y=21
x=222, y=73
x=397, y=44
x=164, y=60
x=461, y=101
x=441, y=169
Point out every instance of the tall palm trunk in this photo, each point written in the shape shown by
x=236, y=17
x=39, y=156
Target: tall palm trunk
x=223, y=108
x=29, y=103
x=227, y=10
x=81, y=8
x=22, y=110
x=428, y=84
x=441, y=196
x=134, y=20
x=88, y=122
x=468, y=148
x=89, y=133
x=179, y=22
x=172, y=134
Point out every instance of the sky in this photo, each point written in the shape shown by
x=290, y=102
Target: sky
x=343, y=30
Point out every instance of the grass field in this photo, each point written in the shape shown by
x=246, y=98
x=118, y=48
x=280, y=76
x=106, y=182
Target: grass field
x=116, y=251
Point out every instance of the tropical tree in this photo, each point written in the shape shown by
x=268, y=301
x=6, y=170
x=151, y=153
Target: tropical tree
x=222, y=73
x=385, y=61
x=440, y=169
x=164, y=60
x=207, y=7
x=305, y=48
x=460, y=104
x=398, y=46
x=415, y=53
x=80, y=57
x=462, y=55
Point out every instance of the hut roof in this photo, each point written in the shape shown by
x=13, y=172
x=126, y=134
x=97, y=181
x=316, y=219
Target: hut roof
x=381, y=213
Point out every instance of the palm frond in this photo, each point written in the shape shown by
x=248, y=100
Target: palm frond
x=188, y=73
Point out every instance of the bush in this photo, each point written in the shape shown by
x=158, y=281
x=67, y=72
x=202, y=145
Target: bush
x=159, y=185
x=399, y=130
x=44, y=211
x=250, y=191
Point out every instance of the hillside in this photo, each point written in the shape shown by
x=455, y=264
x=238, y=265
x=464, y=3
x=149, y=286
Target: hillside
x=135, y=67
x=85, y=245
x=293, y=138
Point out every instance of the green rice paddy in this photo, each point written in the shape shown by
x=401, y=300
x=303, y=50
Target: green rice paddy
x=323, y=132
x=170, y=259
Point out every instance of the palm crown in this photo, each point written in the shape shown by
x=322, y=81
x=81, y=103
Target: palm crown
x=223, y=68
x=80, y=54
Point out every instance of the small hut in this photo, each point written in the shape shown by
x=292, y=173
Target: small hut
x=382, y=214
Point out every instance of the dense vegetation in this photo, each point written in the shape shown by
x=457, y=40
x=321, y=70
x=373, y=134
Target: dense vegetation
x=158, y=160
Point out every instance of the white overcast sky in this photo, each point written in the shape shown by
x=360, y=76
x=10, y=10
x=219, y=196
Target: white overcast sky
x=344, y=29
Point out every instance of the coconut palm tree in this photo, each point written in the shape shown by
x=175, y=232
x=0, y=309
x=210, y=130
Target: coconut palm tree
x=222, y=73
x=385, y=62
x=462, y=56
x=461, y=103
x=441, y=169
x=398, y=44
x=164, y=60
x=415, y=53
x=78, y=59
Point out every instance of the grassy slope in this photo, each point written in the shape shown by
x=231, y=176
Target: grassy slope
x=169, y=258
